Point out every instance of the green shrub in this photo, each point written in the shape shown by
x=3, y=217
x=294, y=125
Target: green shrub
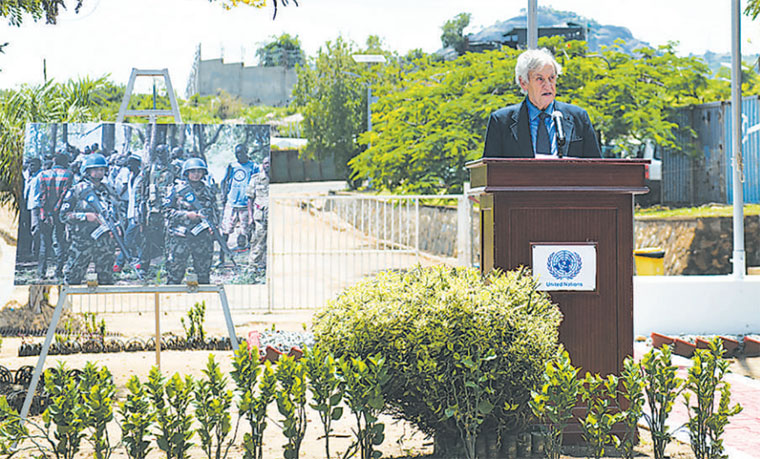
x=137, y=418
x=364, y=381
x=554, y=401
x=212, y=401
x=98, y=390
x=632, y=381
x=428, y=322
x=706, y=424
x=65, y=411
x=291, y=403
x=170, y=401
x=256, y=387
x=661, y=386
x=601, y=412
x=196, y=316
x=326, y=390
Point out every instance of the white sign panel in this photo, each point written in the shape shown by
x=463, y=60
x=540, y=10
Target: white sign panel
x=565, y=267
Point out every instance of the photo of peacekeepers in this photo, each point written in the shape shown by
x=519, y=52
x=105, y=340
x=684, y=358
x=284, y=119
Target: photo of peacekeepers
x=135, y=204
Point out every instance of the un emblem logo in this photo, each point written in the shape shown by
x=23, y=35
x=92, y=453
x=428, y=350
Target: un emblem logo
x=564, y=264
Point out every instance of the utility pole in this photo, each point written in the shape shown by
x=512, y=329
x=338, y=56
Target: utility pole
x=532, y=24
x=739, y=259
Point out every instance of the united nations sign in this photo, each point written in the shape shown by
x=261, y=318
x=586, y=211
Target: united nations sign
x=565, y=267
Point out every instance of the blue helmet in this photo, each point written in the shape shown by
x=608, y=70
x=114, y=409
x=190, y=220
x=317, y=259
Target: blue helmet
x=135, y=157
x=194, y=164
x=92, y=161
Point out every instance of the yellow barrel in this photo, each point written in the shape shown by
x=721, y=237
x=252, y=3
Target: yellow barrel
x=650, y=261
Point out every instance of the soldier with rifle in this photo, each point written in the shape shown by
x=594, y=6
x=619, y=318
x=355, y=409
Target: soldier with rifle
x=156, y=181
x=89, y=211
x=191, y=223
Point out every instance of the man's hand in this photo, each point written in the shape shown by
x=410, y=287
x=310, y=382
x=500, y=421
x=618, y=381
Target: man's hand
x=92, y=217
x=193, y=215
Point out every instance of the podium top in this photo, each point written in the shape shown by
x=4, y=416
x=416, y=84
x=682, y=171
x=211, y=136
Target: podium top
x=489, y=175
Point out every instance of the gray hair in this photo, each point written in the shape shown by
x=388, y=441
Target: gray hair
x=532, y=60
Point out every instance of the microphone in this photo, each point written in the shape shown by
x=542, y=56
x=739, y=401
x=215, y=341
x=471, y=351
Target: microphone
x=557, y=117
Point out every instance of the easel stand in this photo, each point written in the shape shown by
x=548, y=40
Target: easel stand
x=155, y=290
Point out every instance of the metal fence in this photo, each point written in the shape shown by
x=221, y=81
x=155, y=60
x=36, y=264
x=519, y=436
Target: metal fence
x=319, y=245
x=705, y=175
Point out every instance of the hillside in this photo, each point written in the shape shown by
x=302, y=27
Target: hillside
x=599, y=35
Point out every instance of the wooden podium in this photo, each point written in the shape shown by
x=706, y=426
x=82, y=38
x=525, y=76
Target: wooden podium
x=568, y=201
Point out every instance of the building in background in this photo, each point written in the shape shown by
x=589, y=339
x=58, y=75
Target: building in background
x=254, y=85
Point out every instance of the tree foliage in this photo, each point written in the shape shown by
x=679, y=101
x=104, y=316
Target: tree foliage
x=229, y=4
x=331, y=98
x=431, y=121
x=282, y=51
x=453, y=32
x=51, y=102
x=753, y=9
x=15, y=10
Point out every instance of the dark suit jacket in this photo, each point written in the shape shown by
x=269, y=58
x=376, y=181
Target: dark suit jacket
x=508, y=134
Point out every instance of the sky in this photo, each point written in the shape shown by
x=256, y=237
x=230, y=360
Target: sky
x=110, y=37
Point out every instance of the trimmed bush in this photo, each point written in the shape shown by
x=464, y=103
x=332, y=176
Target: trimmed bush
x=461, y=350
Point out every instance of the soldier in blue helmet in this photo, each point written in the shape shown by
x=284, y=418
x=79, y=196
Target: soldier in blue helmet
x=85, y=210
x=191, y=223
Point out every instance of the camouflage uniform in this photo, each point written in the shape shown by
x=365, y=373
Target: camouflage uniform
x=157, y=187
x=258, y=193
x=90, y=241
x=189, y=237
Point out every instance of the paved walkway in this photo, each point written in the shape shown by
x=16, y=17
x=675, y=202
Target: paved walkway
x=742, y=436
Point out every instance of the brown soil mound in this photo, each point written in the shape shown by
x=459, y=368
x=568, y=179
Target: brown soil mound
x=21, y=317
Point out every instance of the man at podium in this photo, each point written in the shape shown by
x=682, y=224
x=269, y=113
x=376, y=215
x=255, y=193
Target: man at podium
x=540, y=126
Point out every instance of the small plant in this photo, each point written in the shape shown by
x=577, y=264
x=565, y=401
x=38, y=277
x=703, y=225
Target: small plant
x=633, y=393
x=706, y=425
x=98, y=390
x=254, y=396
x=601, y=416
x=137, y=418
x=553, y=403
x=291, y=403
x=661, y=386
x=326, y=389
x=364, y=381
x=95, y=328
x=65, y=411
x=12, y=430
x=196, y=316
x=470, y=407
x=171, y=400
x=212, y=403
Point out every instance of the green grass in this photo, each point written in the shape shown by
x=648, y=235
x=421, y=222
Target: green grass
x=713, y=210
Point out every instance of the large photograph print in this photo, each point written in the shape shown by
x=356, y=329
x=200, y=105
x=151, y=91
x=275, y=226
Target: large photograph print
x=136, y=204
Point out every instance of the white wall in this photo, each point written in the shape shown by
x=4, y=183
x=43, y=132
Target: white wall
x=696, y=305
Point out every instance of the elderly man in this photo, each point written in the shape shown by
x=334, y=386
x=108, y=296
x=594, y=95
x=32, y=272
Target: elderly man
x=530, y=128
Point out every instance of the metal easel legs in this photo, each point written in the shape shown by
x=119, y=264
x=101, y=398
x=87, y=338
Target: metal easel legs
x=156, y=290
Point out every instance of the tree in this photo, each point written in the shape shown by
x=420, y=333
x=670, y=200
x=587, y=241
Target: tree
x=51, y=102
x=753, y=9
x=283, y=51
x=453, y=33
x=229, y=4
x=331, y=98
x=14, y=10
x=430, y=122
